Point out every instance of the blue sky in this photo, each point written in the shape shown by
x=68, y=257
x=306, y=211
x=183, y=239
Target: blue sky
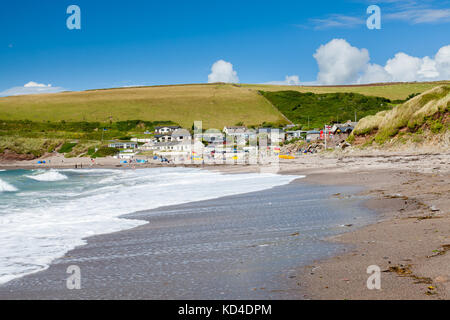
x=146, y=42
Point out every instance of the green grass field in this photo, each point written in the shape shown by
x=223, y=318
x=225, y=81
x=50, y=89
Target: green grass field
x=216, y=105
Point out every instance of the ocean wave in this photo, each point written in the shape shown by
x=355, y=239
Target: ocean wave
x=54, y=219
x=48, y=176
x=6, y=187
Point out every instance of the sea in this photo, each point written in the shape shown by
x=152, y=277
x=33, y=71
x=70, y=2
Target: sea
x=46, y=213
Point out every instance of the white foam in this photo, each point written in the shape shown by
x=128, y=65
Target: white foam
x=31, y=237
x=6, y=187
x=48, y=176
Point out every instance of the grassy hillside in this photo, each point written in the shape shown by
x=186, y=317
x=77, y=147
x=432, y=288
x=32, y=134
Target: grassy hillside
x=216, y=105
x=419, y=119
x=392, y=91
x=320, y=109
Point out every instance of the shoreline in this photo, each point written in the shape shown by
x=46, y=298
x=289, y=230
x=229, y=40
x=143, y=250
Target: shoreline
x=409, y=240
x=237, y=243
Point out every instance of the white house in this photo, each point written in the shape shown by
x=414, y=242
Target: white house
x=166, y=129
x=126, y=155
x=213, y=136
x=234, y=130
x=123, y=145
x=181, y=135
x=163, y=138
x=297, y=134
x=142, y=140
x=240, y=134
x=274, y=135
x=175, y=146
x=147, y=146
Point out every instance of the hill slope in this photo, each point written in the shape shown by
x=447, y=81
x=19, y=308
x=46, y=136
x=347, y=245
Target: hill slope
x=216, y=105
x=314, y=110
x=421, y=120
x=392, y=91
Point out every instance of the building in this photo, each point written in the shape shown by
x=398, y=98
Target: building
x=312, y=135
x=126, y=155
x=166, y=129
x=123, y=145
x=345, y=128
x=213, y=136
x=174, y=146
x=163, y=138
x=146, y=140
x=274, y=135
x=239, y=134
x=181, y=135
x=297, y=134
x=234, y=130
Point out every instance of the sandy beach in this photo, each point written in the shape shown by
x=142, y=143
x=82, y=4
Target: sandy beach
x=410, y=191
x=411, y=194
x=408, y=239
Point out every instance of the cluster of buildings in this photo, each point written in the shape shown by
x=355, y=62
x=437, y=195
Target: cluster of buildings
x=176, y=141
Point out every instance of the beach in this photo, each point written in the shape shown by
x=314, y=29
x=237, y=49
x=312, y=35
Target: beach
x=405, y=231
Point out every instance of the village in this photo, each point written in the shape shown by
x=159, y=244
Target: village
x=232, y=144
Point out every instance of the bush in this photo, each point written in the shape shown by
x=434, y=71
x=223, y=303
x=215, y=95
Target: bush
x=436, y=126
x=67, y=147
x=105, y=152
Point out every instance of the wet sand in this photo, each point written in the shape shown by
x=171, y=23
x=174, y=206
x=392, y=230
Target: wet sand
x=247, y=246
x=409, y=242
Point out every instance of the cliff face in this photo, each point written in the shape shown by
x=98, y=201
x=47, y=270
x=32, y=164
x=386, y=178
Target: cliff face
x=11, y=156
x=421, y=122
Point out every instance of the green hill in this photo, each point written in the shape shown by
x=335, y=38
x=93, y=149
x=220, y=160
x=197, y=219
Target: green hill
x=216, y=104
x=314, y=110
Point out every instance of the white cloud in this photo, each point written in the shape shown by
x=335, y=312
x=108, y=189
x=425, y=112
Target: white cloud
x=403, y=67
x=339, y=62
x=288, y=81
x=222, y=71
x=442, y=59
x=31, y=88
x=407, y=11
x=418, y=16
x=33, y=84
x=374, y=73
x=337, y=21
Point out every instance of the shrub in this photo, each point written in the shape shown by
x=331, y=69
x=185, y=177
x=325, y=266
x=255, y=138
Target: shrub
x=105, y=152
x=67, y=147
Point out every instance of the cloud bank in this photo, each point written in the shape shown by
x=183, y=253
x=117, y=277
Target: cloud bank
x=222, y=71
x=341, y=63
x=31, y=88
